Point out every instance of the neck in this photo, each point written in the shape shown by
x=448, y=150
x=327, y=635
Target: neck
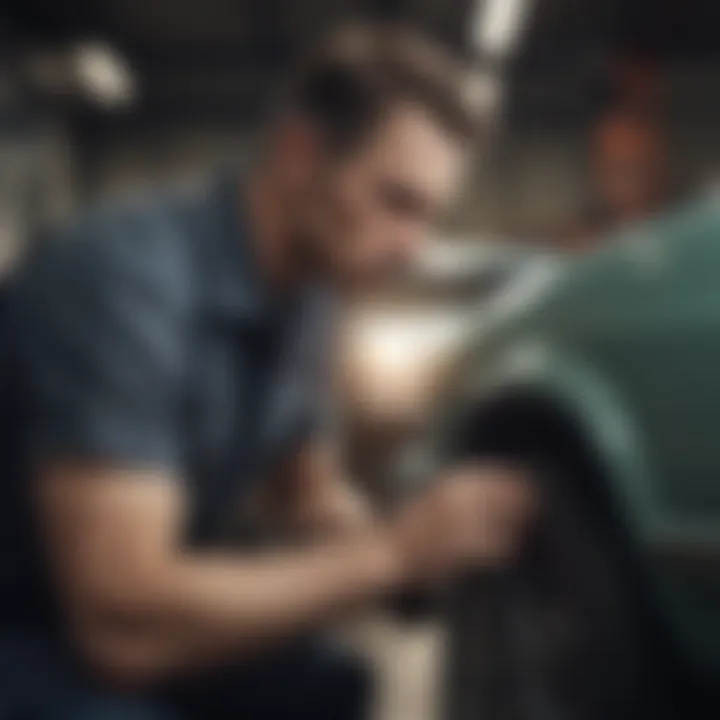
x=271, y=237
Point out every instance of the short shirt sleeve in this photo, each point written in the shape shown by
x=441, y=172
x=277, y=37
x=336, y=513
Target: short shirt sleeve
x=102, y=321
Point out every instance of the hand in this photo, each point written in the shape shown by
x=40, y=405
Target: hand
x=476, y=515
x=340, y=511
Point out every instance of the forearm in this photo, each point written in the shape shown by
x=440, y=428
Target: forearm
x=202, y=609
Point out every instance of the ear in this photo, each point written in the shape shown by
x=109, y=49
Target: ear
x=299, y=146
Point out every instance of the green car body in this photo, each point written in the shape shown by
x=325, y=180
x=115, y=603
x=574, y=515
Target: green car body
x=625, y=342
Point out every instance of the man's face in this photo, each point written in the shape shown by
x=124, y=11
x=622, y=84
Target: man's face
x=367, y=213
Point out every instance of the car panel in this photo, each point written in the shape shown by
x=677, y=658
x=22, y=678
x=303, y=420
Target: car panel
x=627, y=342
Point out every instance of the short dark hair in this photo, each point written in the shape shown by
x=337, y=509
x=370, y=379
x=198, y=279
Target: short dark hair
x=361, y=72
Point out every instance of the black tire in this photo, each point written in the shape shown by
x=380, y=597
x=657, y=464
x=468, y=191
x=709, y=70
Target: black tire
x=564, y=634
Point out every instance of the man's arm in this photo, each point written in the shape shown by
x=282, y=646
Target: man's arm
x=141, y=607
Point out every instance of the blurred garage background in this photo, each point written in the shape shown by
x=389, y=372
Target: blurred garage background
x=602, y=112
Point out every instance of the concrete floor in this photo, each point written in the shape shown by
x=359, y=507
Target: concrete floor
x=409, y=660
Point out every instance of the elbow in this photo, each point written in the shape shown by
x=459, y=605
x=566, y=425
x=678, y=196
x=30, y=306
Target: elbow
x=116, y=635
x=121, y=659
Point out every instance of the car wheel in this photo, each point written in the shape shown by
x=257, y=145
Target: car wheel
x=563, y=633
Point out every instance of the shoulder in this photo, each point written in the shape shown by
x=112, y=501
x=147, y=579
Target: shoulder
x=135, y=248
x=143, y=237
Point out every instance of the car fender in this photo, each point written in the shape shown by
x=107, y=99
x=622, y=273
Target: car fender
x=573, y=387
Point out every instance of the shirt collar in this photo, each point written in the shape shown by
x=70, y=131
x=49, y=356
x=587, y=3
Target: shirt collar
x=233, y=284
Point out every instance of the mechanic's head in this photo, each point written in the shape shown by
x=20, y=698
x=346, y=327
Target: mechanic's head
x=369, y=148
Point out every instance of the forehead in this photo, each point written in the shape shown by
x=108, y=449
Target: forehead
x=413, y=147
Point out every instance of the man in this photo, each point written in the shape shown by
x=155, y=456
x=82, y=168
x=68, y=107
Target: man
x=161, y=365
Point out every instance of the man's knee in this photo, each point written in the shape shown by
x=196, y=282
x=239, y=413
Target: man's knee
x=315, y=681
x=345, y=685
x=113, y=707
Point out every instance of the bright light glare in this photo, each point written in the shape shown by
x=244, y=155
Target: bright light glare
x=103, y=74
x=398, y=344
x=498, y=24
x=397, y=356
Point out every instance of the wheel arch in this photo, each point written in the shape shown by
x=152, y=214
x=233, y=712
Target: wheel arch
x=527, y=424
x=548, y=393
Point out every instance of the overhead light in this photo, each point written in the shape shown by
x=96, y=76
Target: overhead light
x=498, y=24
x=103, y=74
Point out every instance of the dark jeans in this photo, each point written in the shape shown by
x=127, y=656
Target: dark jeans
x=314, y=681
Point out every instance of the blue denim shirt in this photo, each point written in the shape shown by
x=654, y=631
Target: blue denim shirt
x=145, y=337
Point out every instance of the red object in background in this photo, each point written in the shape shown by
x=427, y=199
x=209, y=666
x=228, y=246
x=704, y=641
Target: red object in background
x=629, y=165
x=628, y=153
x=629, y=146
